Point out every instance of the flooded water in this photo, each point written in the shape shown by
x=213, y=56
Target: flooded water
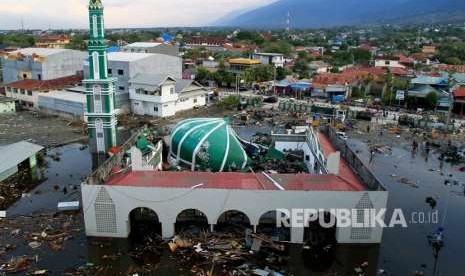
x=68, y=172
x=403, y=250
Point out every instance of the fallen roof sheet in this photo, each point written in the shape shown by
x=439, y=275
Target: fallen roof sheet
x=13, y=154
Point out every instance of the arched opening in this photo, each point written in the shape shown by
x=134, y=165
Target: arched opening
x=233, y=221
x=96, y=65
x=94, y=25
x=144, y=222
x=320, y=242
x=267, y=225
x=192, y=222
x=145, y=237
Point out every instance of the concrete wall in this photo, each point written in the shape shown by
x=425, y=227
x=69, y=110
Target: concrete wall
x=7, y=107
x=167, y=104
x=64, y=108
x=24, y=98
x=154, y=64
x=56, y=66
x=107, y=208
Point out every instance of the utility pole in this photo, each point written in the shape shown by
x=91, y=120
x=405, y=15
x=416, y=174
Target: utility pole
x=274, y=81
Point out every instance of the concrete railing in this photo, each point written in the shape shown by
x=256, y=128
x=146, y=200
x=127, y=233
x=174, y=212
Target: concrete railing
x=101, y=174
x=370, y=181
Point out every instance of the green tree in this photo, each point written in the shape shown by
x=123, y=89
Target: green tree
x=77, y=43
x=361, y=56
x=19, y=40
x=282, y=73
x=280, y=47
x=301, y=68
x=230, y=102
x=202, y=75
x=431, y=100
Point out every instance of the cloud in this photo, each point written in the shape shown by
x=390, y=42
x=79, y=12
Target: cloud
x=40, y=14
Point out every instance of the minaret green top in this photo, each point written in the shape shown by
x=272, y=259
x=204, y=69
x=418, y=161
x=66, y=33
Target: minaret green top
x=101, y=111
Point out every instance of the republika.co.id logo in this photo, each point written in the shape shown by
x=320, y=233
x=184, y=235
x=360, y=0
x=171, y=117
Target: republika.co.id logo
x=355, y=218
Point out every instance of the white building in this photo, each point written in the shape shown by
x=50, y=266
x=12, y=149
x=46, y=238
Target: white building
x=270, y=58
x=163, y=96
x=70, y=104
x=152, y=48
x=388, y=63
x=319, y=67
x=125, y=65
x=41, y=64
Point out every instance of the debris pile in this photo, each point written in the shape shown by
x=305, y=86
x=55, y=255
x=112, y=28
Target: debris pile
x=31, y=234
x=230, y=254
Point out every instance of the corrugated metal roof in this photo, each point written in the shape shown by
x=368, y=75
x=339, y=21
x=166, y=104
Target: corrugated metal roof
x=143, y=44
x=182, y=84
x=39, y=51
x=33, y=84
x=151, y=79
x=127, y=57
x=13, y=154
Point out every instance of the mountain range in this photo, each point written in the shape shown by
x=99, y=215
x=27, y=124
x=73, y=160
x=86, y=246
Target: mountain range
x=331, y=13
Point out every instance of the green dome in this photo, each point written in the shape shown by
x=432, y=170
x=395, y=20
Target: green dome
x=207, y=144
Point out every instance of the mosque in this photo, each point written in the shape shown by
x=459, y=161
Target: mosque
x=211, y=177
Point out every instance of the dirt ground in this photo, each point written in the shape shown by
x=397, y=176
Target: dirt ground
x=47, y=131
x=131, y=121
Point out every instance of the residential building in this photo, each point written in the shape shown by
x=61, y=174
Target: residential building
x=27, y=91
x=239, y=65
x=124, y=66
x=318, y=67
x=459, y=101
x=7, y=105
x=429, y=49
x=210, y=43
x=270, y=58
x=389, y=62
x=163, y=96
x=53, y=41
x=41, y=64
x=437, y=83
x=152, y=48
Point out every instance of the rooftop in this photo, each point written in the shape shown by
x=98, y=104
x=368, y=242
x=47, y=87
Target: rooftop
x=345, y=181
x=232, y=181
x=38, y=51
x=244, y=61
x=144, y=44
x=269, y=54
x=459, y=92
x=151, y=79
x=13, y=154
x=127, y=57
x=66, y=95
x=60, y=83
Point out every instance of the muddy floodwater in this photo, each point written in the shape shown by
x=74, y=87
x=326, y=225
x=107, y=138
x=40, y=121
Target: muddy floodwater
x=403, y=250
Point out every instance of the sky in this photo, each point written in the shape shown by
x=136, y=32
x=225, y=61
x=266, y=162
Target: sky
x=64, y=14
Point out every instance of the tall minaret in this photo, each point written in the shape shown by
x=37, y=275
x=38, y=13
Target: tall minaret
x=100, y=89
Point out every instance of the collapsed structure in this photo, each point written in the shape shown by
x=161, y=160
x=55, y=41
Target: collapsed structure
x=211, y=174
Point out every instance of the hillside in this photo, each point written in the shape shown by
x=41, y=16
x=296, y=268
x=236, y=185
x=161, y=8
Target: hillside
x=329, y=13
